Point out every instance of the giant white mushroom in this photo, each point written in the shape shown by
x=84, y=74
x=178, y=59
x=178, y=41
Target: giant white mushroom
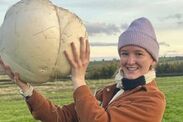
x=34, y=35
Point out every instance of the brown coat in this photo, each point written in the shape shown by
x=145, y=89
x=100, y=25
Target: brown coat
x=142, y=104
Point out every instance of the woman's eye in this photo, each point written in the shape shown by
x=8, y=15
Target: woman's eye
x=124, y=54
x=139, y=54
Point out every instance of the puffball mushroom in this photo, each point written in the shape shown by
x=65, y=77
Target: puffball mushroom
x=34, y=35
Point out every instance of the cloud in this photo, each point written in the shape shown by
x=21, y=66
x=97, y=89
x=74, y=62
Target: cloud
x=164, y=2
x=177, y=16
x=105, y=5
x=7, y=2
x=172, y=21
x=173, y=53
x=3, y=2
x=96, y=28
x=164, y=44
x=93, y=4
x=180, y=23
x=124, y=26
x=103, y=44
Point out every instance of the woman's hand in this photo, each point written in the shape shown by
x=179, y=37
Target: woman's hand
x=78, y=63
x=14, y=76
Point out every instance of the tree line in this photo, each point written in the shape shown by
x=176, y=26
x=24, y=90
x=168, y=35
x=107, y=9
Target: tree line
x=167, y=66
x=170, y=69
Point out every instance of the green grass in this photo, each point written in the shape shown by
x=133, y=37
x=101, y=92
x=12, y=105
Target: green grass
x=14, y=109
x=173, y=89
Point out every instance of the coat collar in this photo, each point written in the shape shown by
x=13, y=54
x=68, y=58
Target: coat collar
x=150, y=76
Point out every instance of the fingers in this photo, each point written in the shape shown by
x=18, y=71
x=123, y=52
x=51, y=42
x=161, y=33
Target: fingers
x=70, y=60
x=87, y=49
x=82, y=48
x=13, y=76
x=76, y=60
x=6, y=69
x=74, y=52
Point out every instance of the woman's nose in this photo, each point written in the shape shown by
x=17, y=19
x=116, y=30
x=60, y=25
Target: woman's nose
x=131, y=59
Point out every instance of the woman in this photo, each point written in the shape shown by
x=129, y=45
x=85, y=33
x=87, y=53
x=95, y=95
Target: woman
x=134, y=98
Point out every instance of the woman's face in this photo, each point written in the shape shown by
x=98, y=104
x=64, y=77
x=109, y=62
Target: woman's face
x=135, y=61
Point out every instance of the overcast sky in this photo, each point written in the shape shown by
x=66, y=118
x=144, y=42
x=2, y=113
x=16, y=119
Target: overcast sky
x=106, y=19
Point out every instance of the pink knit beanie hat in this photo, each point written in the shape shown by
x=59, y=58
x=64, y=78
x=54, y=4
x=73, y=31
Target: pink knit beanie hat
x=140, y=33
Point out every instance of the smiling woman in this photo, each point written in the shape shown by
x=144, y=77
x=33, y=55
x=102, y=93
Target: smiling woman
x=134, y=97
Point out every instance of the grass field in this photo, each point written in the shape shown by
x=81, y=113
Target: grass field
x=14, y=109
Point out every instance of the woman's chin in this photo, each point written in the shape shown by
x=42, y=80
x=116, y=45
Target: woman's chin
x=131, y=77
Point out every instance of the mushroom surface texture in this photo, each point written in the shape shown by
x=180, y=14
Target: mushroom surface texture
x=34, y=35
